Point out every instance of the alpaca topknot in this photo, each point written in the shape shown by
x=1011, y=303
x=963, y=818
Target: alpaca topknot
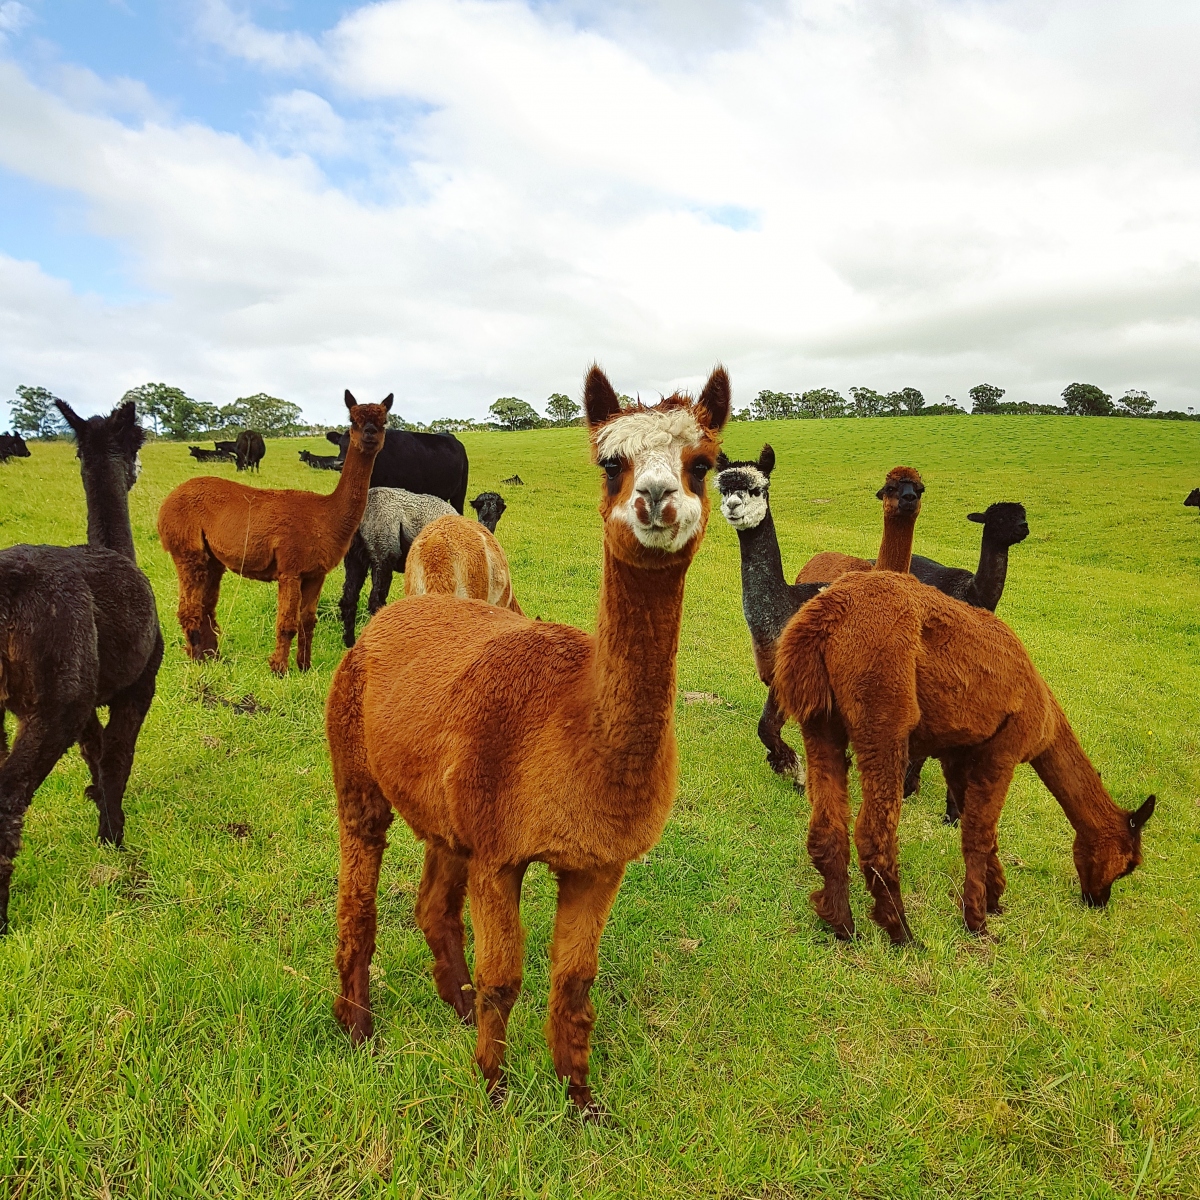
x=637, y=431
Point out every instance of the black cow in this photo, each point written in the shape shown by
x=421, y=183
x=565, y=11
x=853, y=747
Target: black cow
x=433, y=464
x=202, y=455
x=227, y=447
x=12, y=445
x=250, y=449
x=321, y=462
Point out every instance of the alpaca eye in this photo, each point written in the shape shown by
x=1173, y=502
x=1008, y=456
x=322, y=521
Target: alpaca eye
x=612, y=467
x=700, y=469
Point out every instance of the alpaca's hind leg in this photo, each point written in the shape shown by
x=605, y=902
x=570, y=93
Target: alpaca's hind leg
x=356, y=565
x=912, y=776
x=381, y=585
x=881, y=768
x=439, y=914
x=495, y=894
x=40, y=742
x=781, y=758
x=585, y=899
x=984, y=788
x=287, y=622
x=91, y=748
x=310, y=593
x=825, y=744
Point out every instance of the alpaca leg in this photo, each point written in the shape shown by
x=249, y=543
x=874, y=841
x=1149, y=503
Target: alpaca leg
x=825, y=744
x=912, y=776
x=439, y=914
x=287, y=622
x=210, y=631
x=881, y=769
x=499, y=950
x=91, y=747
x=984, y=791
x=310, y=593
x=199, y=585
x=381, y=584
x=781, y=758
x=356, y=565
x=585, y=899
x=40, y=742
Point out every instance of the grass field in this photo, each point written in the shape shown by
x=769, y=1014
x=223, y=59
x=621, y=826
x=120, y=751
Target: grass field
x=167, y=1009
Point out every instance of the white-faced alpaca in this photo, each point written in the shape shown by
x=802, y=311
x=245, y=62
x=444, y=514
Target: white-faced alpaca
x=455, y=556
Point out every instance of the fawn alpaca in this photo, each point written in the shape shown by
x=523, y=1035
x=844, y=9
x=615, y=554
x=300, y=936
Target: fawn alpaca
x=209, y=525
x=884, y=662
x=455, y=556
x=504, y=741
x=78, y=631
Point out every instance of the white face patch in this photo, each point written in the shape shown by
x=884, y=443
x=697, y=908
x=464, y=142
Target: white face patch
x=660, y=510
x=743, y=496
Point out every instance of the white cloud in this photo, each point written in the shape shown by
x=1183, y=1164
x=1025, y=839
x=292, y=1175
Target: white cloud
x=826, y=193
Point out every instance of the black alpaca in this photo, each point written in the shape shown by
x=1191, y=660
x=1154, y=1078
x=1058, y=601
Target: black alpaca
x=768, y=600
x=78, y=631
x=1004, y=525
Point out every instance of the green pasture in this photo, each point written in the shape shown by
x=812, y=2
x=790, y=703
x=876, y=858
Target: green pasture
x=167, y=1009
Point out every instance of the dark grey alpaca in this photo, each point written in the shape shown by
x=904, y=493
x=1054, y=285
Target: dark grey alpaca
x=78, y=631
x=1004, y=525
x=768, y=600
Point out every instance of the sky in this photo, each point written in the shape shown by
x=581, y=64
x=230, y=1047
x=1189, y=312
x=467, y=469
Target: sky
x=457, y=200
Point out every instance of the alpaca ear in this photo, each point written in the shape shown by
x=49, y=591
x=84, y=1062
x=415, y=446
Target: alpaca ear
x=600, y=402
x=1143, y=814
x=332, y=435
x=722, y=461
x=387, y=402
x=475, y=503
x=879, y=494
x=350, y=400
x=71, y=417
x=766, y=460
x=978, y=518
x=713, y=405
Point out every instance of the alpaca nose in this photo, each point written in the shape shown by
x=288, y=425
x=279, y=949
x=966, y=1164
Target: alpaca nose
x=656, y=490
x=654, y=495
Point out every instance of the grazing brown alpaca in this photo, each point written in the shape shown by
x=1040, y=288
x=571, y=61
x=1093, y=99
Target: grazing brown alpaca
x=504, y=741
x=901, y=496
x=455, y=556
x=892, y=666
x=209, y=525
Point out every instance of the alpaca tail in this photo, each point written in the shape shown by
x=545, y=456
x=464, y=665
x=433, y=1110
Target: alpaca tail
x=801, y=681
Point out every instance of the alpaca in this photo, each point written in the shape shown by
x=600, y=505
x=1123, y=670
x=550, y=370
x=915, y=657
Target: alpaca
x=504, y=741
x=901, y=496
x=12, y=445
x=250, y=450
x=1004, y=525
x=207, y=456
x=78, y=631
x=768, y=600
x=881, y=661
x=392, y=519
x=209, y=525
x=455, y=556
x=1193, y=500
x=321, y=462
x=489, y=508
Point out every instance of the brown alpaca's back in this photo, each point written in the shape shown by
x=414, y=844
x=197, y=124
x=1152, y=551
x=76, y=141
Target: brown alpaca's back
x=830, y=565
x=455, y=556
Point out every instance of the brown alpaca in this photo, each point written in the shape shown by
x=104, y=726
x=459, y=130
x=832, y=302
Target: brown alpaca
x=901, y=496
x=455, y=556
x=504, y=741
x=209, y=525
x=882, y=661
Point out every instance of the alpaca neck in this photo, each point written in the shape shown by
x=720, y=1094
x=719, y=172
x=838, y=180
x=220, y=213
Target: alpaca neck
x=348, y=501
x=768, y=600
x=637, y=638
x=895, y=551
x=1072, y=780
x=108, y=507
x=988, y=585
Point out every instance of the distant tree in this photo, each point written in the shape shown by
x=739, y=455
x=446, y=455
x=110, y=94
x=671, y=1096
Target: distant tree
x=1135, y=403
x=267, y=414
x=908, y=399
x=775, y=406
x=985, y=398
x=626, y=401
x=867, y=402
x=174, y=413
x=949, y=409
x=562, y=410
x=742, y=414
x=154, y=401
x=514, y=414
x=34, y=414
x=823, y=403
x=1087, y=400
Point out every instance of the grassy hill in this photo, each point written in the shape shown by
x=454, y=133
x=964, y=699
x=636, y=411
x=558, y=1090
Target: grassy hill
x=167, y=1025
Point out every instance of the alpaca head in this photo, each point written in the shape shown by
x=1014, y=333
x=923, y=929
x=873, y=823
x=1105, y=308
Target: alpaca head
x=1107, y=855
x=368, y=422
x=744, y=488
x=655, y=504
x=1193, y=500
x=106, y=444
x=1004, y=524
x=901, y=494
x=489, y=508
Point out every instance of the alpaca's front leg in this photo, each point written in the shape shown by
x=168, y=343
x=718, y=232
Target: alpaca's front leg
x=287, y=622
x=495, y=894
x=881, y=768
x=585, y=899
x=310, y=593
x=199, y=588
x=781, y=758
x=825, y=745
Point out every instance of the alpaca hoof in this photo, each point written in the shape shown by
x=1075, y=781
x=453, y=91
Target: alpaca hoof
x=950, y=818
x=995, y=908
x=497, y=1089
x=355, y=1019
x=591, y=1111
x=279, y=669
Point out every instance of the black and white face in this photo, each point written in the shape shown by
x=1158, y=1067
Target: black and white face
x=744, y=495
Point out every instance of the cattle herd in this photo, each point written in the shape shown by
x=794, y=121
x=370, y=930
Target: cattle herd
x=504, y=741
